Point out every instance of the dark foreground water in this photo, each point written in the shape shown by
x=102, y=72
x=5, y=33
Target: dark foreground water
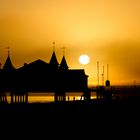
x=131, y=105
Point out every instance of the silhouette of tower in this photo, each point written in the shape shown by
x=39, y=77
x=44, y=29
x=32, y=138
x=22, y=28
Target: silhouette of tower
x=103, y=77
x=97, y=73
x=63, y=65
x=8, y=66
x=107, y=81
x=53, y=62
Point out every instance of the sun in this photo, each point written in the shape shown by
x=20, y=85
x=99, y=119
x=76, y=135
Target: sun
x=84, y=59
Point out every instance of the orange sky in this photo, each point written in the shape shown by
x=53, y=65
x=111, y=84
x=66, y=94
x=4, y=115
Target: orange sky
x=106, y=30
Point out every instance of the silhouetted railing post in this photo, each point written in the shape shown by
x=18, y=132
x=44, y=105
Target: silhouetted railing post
x=15, y=99
x=11, y=94
x=3, y=97
x=26, y=96
x=60, y=96
x=97, y=93
x=68, y=98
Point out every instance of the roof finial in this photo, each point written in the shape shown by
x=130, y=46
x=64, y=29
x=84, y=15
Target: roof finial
x=53, y=46
x=63, y=48
x=8, y=48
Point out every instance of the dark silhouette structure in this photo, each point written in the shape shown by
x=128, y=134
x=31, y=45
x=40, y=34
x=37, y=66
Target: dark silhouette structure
x=39, y=76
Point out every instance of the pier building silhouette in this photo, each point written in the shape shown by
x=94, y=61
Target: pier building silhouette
x=40, y=76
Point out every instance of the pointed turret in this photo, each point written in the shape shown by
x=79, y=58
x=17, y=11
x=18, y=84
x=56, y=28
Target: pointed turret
x=8, y=64
x=63, y=65
x=53, y=62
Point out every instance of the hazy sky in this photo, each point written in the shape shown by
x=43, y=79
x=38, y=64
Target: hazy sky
x=106, y=30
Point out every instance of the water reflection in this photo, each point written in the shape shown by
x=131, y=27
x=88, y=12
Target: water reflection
x=49, y=97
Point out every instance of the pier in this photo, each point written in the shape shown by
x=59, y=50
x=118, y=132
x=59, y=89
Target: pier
x=102, y=93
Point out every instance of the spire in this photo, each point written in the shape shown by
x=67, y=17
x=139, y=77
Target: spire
x=63, y=64
x=53, y=62
x=8, y=64
x=8, y=48
x=63, y=48
x=53, y=46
